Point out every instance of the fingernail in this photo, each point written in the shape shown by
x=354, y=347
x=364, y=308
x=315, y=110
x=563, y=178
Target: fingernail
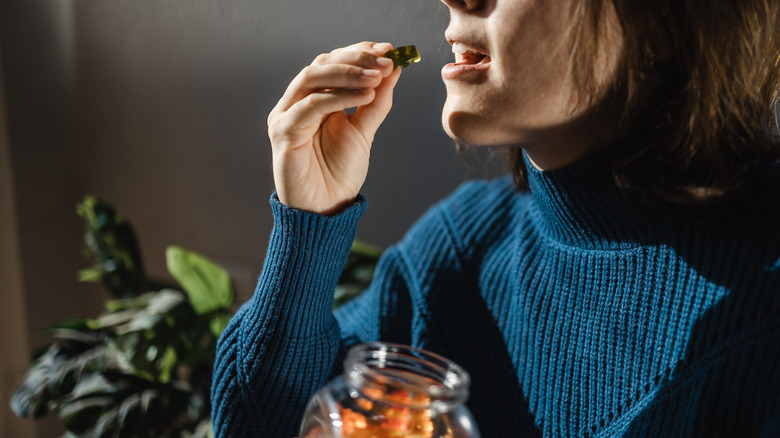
x=384, y=62
x=381, y=46
x=371, y=73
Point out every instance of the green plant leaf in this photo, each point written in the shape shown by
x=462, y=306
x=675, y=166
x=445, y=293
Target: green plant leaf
x=143, y=312
x=88, y=338
x=73, y=329
x=96, y=404
x=168, y=362
x=143, y=367
x=113, y=319
x=106, y=424
x=77, y=323
x=204, y=430
x=113, y=248
x=92, y=274
x=125, y=303
x=79, y=415
x=345, y=293
x=207, y=285
x=52, y=377
x=365, y=249
x=92, y=385
x=31, y=398
x=164, y=301
x=219, y=322
x=357, y=272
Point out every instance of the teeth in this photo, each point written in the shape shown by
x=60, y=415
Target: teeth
x=459, y=48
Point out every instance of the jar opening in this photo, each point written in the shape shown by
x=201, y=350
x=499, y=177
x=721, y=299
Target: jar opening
x=424, y=378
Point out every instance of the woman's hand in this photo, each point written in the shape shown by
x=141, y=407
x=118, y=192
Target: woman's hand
x=320, y=153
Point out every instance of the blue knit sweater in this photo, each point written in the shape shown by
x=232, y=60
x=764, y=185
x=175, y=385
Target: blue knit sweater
x=578, y=311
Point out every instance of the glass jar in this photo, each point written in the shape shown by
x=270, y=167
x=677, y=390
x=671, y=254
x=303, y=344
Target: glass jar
x=391, y=390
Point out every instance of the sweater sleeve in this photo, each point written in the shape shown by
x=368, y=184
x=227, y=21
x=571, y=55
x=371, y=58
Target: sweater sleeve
x=286, y=342
x=281, y=345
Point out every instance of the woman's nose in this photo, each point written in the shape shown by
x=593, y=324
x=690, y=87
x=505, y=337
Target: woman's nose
x=466, y=5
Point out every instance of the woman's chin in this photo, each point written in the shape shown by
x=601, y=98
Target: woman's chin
x=470, y=129
x=461, y=126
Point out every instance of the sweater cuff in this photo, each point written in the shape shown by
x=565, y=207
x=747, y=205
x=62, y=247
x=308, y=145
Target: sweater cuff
x=306, y=254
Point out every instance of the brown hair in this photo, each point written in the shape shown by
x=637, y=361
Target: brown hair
x=713, y=68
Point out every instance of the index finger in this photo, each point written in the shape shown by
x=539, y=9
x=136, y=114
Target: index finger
x=342, y=54
x=326, y=71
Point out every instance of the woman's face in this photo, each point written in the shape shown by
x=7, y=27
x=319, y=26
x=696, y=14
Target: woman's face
x=517, y=89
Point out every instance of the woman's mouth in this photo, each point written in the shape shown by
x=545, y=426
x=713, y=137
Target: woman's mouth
x=470, y=64
x=468, y=55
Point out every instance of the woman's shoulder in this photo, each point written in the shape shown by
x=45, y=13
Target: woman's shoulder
x=479, y=203
x=476, y=212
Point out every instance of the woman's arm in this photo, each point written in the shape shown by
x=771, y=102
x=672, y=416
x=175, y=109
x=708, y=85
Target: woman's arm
x=281, y=345
x=285, y=343
x=321, y=153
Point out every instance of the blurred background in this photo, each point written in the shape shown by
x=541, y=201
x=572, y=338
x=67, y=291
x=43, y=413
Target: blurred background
x=159, y=107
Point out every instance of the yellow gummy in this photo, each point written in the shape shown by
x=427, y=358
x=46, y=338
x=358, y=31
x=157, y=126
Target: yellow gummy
x=403, y=56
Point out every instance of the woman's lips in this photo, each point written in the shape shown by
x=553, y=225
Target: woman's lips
x=471, y=63
x=470, y=68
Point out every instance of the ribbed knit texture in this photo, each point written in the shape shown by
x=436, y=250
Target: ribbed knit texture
x=578, y=311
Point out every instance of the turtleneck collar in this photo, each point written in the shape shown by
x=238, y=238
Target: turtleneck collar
x=582, y=206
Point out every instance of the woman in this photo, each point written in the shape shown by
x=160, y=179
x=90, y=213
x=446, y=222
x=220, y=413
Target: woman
x=625, y=280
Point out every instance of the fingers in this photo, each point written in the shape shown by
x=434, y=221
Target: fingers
x=316, y=78
x=320, y=153
x=355, y=76
x=348, y=67
x=367, y=54
x=303, y=119
x=367, y=118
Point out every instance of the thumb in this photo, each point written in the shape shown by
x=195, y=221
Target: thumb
x=367, y=118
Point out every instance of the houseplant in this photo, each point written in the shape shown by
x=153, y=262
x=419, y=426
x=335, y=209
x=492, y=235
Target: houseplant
x=143, y=367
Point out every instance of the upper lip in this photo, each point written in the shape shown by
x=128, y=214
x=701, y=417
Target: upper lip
x=452, y=37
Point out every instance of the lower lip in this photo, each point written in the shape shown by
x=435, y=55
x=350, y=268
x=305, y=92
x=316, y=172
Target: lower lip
x=465, y=71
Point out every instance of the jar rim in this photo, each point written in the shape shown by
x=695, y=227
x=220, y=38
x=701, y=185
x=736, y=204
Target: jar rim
x=382, y=365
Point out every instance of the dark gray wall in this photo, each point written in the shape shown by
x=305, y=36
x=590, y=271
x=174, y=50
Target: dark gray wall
x=173, y=99
x=40, y=103
x=160, y=107
x=14, y=342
